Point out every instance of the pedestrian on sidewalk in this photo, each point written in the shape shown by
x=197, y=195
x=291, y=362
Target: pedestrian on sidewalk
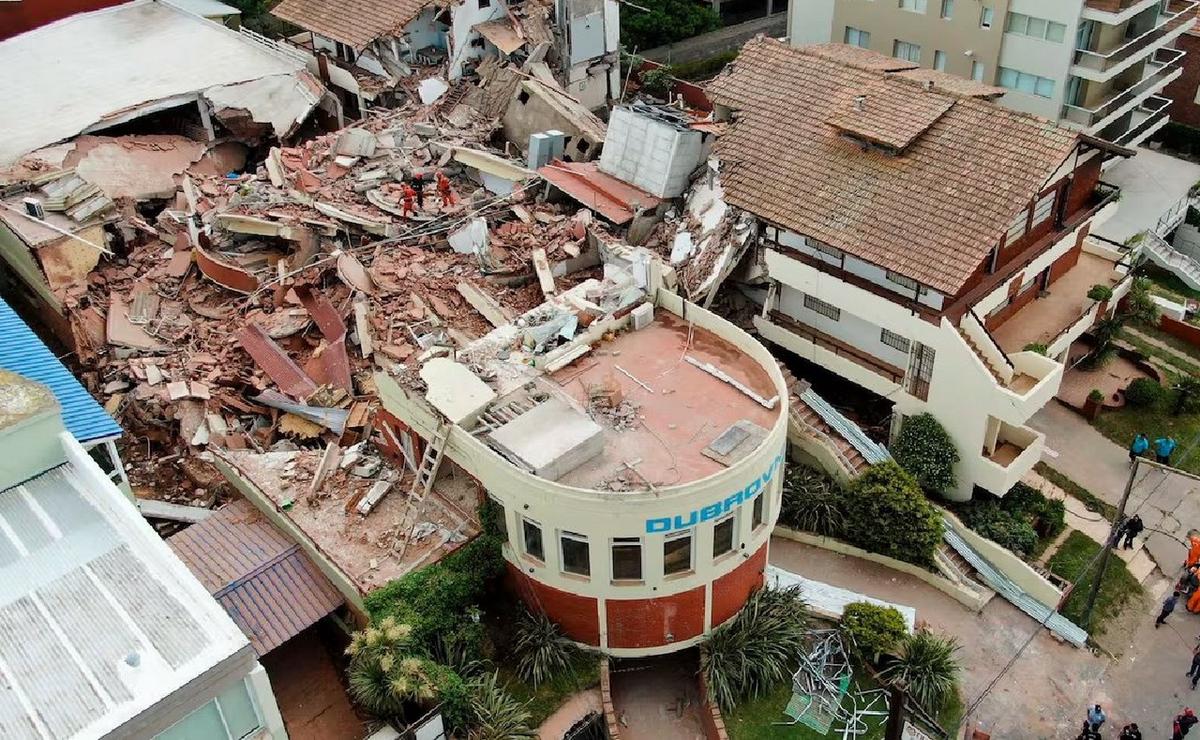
x=1132, y=527
x=1096, y=717
x=1087, y=733
x=1163, y=447
x=1138, y=447
x=1168, y=606
x=1130, y=732
x=1194, y=671
x=1183, y=724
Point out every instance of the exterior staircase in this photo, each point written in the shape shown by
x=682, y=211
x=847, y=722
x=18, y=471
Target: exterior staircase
x=853, y=451
x=1161, y=253
x=991, y=367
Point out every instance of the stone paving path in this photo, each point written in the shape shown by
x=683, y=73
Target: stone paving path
x=1172, y=351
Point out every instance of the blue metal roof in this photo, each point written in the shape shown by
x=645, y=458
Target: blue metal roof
x=23, y=353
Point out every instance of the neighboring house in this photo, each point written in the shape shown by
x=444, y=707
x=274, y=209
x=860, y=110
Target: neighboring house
x=915, y=238
x=1184, y=92
x=22, y=352
x=1095, y=65
x=580, y=39
x=104, y=633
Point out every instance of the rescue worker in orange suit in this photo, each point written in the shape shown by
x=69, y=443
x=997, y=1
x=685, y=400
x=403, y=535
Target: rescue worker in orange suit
x=1193, y=556
x=443, y=188
x=409, y=196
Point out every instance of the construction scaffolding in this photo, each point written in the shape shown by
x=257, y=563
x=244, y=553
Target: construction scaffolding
x=825, y=697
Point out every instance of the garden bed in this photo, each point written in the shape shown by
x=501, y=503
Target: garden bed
x=1111, y=378
x=1117, y=589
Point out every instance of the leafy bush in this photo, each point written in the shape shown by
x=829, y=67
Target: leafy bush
x=812, y=501
x=1139, y=306
x=1018, y=521
x=541, y=649
x=494, y=713
x=757, y=649
x=927, y=668
x=386, y=673
x=1037, y=347
x=1187, y=396
x=1100, y=292
x=657, y=81
x=1143, y=392
x=664, y=22
x=704, y=69
x=874, y=630
x=924, y=449
x=1096, y=396
x=887, y=513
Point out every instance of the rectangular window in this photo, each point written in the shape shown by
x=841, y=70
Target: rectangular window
x=916, y=6
x=907, y=283
x=985, y=17
x=501, y=518
x=1043, y=208
x=573, y=550
x=485, y=3
x=1016, y=228
x=1024, y=82
x=231, y=715
x=824, y=248
x=856, y=37
x=531, y=533
x=758, y=515
x=723, y=535
x=939, y=60
x=627, y=559
x=977, y=71
x=677, y=553
x=1038, y=28
x=893, y=340
x=827, y=310
x=907, y=51
x=947, y=9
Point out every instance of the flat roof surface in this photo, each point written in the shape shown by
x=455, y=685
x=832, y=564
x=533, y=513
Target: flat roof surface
x=368, y=551
x=265, y=582
x=65, y=77
x=22, y=352
x=97, y=621
x=685, y=410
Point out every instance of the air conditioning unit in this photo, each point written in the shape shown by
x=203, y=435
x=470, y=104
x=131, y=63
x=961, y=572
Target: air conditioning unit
x=33, y=207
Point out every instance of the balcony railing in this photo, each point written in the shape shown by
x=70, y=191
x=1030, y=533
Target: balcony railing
x=1178, y=15
x=836, y=346
x=1111, y=6
x=1165, y=63
x=1148, y=115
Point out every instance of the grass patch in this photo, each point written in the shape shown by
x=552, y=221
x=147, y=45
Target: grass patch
x=1116, y=590
x=1171, y=341
x=754, y=719
x=1120, y=425
x=1093, y=502
x=1164, y=283
x=703, y=69
x=549, y=696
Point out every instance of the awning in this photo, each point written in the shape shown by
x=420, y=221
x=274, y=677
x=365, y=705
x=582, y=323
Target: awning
x=501, y=33
x=265, y=582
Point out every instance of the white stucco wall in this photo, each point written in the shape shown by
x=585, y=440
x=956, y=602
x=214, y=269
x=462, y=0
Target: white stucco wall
x=463, y=18
x=810, y=21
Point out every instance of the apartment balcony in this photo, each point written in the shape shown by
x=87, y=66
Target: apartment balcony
x=1112, y=12
x=814, y=345
x=1023, y=382
x=1163, y=67
x=1104, y=65
x=1147, y=118
x=1008, y=456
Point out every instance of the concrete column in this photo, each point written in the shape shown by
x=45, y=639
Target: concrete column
x=205, y=119
x=770, y=7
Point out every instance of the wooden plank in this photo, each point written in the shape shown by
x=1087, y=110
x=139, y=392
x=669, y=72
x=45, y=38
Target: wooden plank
x=545, y=278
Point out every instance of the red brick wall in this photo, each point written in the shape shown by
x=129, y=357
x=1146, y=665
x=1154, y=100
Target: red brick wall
x=1018, y=303
x=641, y=623
x=1084, y=185
x=710, y=713
x=731, y=590
x=579, y=616
x=610, y=712
x=1070, y=258
x=1189, y=333
x=1182, y=91
x=25, y=15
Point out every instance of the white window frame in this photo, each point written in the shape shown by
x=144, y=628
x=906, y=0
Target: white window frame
x=627, y=542
x=1017, y=228
x=828, y=310
x=690, y=535
x=857, y=37
x=525, y=539
x=914, y=6
x=947, y=9
x=906, y=50
x=939, y=60
x=987, y=16
x=978, y=71
x=896, y=341
x=1044, y=208
x=759, y=512
x=563, y=536
x=731, y=518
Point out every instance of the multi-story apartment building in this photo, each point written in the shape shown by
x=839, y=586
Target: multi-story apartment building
x=1094, y=65
x=917, y=239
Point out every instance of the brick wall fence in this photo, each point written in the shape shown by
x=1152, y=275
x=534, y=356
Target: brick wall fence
x=1189, y=333
x=610, y=713
x=710, y=713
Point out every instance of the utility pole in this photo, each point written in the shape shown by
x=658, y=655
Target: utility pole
x=897, y=707
x=1108, y=545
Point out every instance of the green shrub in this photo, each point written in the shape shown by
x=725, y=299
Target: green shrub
x=1018, y=521
x=541, y=649
x=1037, y=347
x=1187, y=396
x=924, y=449
x=886, y=513
x=494, y=713
x=704, y=69
x=657, y=81
x=1096, y=395
x=1047, y=516
x=386, y=673
x=812, y=501
x=1143, y=392
x=873, y=630
x=1100, y=292
x=658, y=22
x=757, y=649
x=927, y=668
x=1139, y=306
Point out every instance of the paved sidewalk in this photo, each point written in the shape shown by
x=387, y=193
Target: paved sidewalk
x=1081, y=453
x=1150, y=183
x=1183, y=357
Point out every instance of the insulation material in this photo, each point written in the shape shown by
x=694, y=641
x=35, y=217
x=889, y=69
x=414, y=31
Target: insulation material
x=652, y=147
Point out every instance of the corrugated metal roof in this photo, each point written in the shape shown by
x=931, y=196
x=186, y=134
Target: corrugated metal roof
x=23, y=353
x=264, y=580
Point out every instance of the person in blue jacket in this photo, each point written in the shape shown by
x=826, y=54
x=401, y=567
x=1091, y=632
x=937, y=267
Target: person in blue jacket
x=1139, y=446
x=1163, y=447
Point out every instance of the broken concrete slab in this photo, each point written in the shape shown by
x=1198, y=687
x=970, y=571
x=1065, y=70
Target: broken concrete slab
x=455, y=391
x=550, y=440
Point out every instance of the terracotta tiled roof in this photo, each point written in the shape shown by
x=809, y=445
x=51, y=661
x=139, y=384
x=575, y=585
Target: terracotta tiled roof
x=952, y=84
x=931, y=212
x=352, y=22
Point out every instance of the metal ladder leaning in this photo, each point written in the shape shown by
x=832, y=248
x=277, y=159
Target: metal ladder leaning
x=430, y=462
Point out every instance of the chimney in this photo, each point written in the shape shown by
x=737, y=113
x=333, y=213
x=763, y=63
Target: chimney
x=859, y=101
x=928, y=85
